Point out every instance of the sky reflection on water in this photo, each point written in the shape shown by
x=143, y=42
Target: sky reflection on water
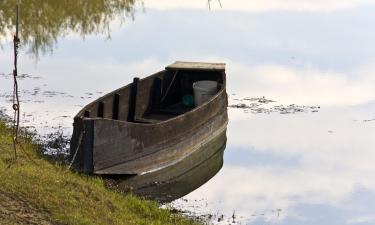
x=316, y=167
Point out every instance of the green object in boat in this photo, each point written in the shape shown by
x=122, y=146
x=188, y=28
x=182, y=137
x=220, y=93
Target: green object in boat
x=188, y=100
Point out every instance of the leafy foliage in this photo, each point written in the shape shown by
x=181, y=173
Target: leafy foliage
x=42, y=22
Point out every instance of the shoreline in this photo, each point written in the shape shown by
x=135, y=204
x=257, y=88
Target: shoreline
x=35, y=189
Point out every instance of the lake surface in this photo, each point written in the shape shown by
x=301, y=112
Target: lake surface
x=306, y=158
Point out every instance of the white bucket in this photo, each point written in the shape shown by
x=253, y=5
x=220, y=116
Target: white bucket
x=203, y=91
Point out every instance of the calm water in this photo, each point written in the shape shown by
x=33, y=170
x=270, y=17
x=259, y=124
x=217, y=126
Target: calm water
x=310, y=167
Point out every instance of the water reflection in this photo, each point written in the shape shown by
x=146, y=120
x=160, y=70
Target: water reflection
x=180, y=179
x=317, y=167
x=42, y=22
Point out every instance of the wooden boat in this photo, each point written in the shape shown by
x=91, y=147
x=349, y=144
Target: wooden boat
x=144, y=126
x=178, y=180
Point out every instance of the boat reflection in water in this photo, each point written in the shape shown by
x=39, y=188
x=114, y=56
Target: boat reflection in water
x=178, y=180
x=148, y=138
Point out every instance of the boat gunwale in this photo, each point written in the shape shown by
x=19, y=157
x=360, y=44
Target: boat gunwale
x=217, y=95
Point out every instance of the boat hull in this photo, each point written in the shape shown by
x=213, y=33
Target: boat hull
x=106, y=141
x=176, y=181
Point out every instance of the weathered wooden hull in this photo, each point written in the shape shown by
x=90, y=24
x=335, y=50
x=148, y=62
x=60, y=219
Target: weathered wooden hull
x=103, y=145
x=178, y=180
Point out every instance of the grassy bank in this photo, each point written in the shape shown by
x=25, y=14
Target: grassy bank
x=36, y=191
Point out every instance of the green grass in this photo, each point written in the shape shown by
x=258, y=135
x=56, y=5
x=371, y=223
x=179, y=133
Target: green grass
x=35, y=190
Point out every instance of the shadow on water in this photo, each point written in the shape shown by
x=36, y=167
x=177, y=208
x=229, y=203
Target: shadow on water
x=178, y=180
x=42, y=22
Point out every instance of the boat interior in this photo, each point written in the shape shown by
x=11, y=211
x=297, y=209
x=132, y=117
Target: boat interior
x=156, y=98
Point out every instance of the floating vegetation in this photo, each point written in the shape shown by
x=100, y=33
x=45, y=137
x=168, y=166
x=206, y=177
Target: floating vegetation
x=36, y=91
x=54, y=141
x=31, y=95
x=38, y=94
x=50, y=94
x=28, y=76
x=4, y=116
x=20, y=76
x=55, y=144
x=258, y=105
x=197, y=209
x=6, y=95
